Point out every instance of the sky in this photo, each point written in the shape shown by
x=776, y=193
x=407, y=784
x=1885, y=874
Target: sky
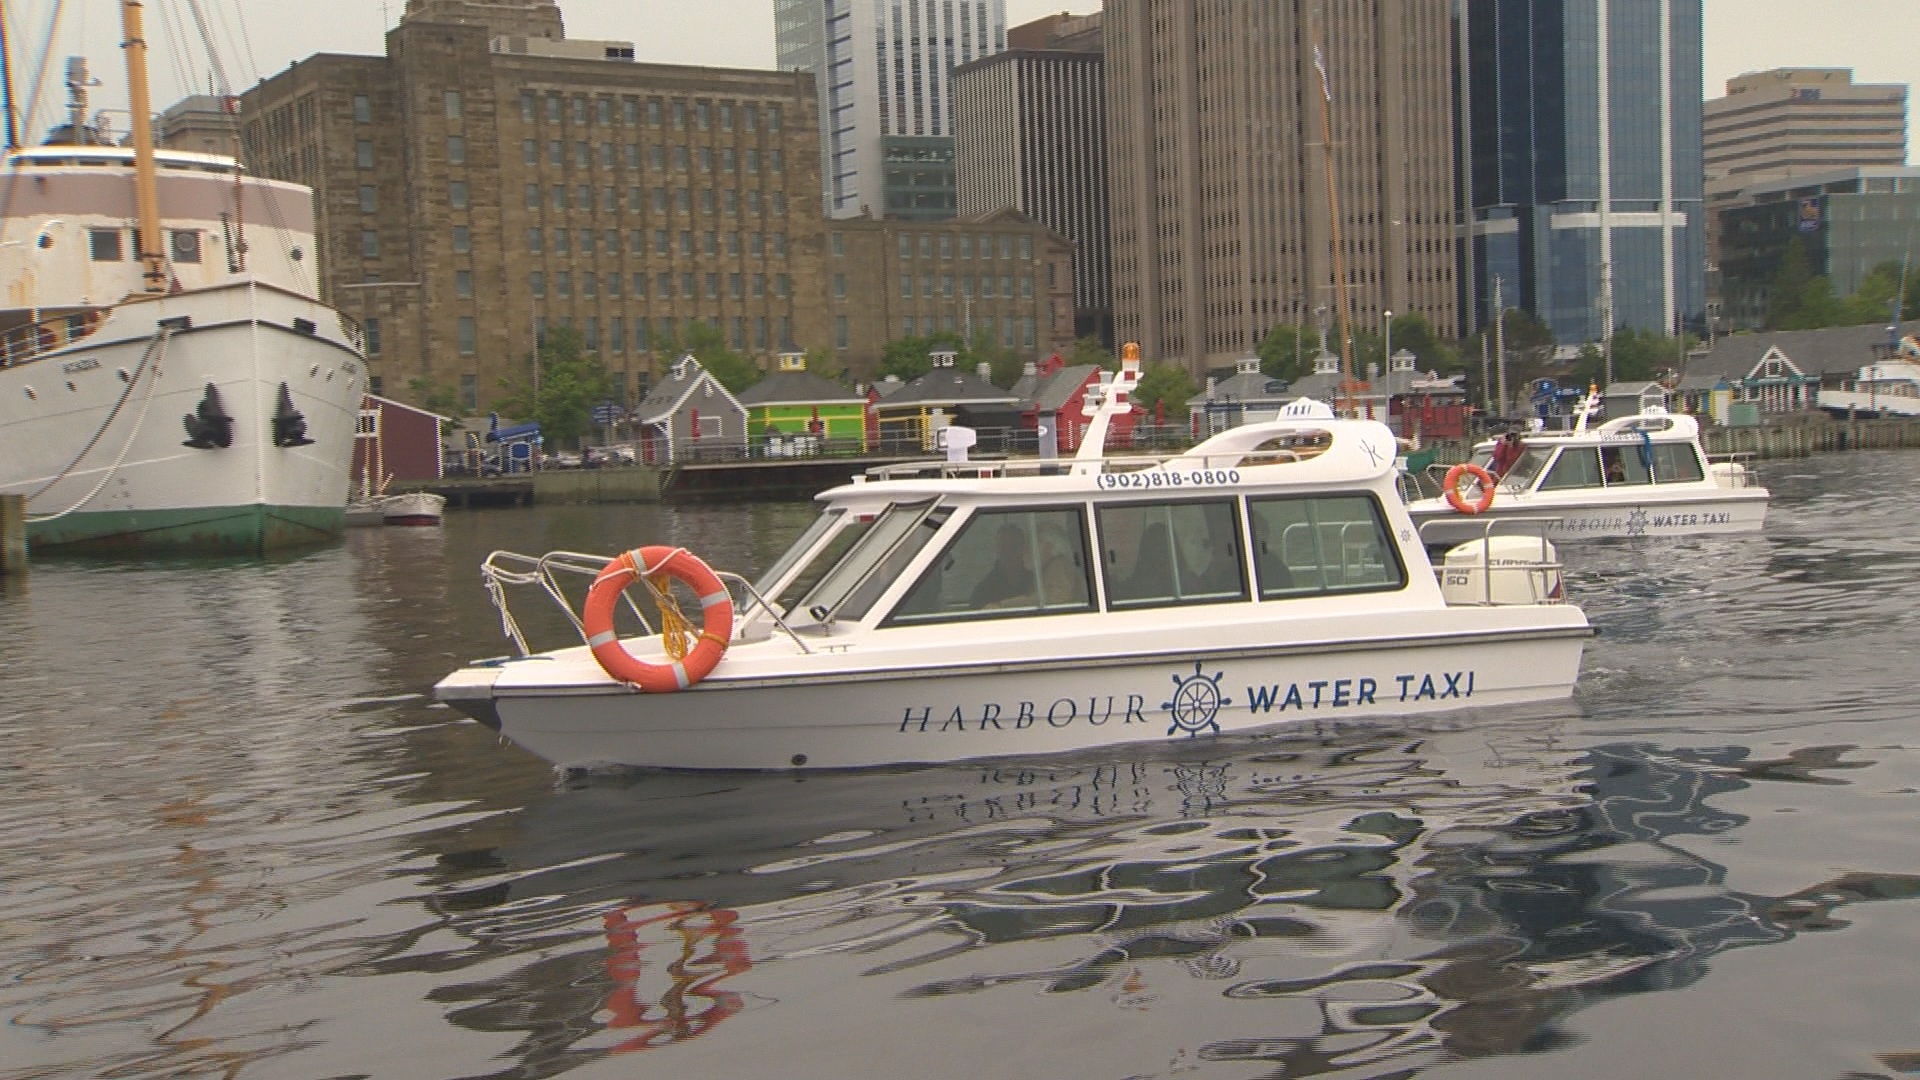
x=260, y=38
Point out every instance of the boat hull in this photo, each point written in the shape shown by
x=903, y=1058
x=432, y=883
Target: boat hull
x=1715, y=512
x=985, y=709
x=97, y=440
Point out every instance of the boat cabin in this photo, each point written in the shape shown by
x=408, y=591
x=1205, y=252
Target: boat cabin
x=1649, y=449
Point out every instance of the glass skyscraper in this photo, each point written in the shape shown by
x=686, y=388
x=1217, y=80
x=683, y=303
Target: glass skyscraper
x=886, y=116
x=1582, y=163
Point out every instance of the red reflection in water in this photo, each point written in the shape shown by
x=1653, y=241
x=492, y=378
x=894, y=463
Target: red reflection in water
x=671, y=994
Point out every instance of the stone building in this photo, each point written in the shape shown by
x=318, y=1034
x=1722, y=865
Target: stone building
x=1001, y=276
x=489, y=177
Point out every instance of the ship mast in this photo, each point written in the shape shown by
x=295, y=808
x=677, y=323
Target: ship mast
x=153, y=273
x=1347, y=382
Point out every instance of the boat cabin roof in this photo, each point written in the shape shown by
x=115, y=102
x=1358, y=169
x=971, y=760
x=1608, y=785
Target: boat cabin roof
x=82, y=156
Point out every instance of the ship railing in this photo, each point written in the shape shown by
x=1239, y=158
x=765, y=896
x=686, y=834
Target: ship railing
x=25, y=344
x=1511, y=574
x=504, y=569
x=996, y=468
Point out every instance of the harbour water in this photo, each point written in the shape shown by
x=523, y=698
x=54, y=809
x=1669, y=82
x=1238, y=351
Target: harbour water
x=237, y=840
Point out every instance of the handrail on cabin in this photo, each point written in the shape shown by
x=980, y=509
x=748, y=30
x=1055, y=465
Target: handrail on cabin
x=25, y=344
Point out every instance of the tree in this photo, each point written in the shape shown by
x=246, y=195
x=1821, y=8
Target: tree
x=1415, y=334
x=1167, y=386
x=708, y=345
x=1004, y=366
x=436, y=397
x=559, y=389
x=1287, y=352
x=909, y=358
x=1087, y=350
x=1787, y=294
x=1638, y=356
x=826, y=363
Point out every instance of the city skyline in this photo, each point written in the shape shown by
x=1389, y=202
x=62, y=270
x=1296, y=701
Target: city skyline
x=1873, y=39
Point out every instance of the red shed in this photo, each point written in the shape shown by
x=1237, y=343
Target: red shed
x=396, y=441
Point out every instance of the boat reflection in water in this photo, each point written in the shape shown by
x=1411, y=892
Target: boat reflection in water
x=1333, y=905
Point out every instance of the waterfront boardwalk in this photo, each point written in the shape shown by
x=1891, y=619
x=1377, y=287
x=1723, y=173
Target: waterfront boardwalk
x=802, y=478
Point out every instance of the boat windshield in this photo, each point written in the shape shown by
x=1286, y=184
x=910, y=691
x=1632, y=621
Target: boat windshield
x=825, y=522
x=842, y=568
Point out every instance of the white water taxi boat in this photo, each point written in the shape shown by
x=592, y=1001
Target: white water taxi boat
x=1641, y=475
x=966, y=609
x=1888, y=388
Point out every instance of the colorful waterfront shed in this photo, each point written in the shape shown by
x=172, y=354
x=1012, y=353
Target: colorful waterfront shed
x=910, y=416
x=794, y=407
x=396, y=441
x=689, y=414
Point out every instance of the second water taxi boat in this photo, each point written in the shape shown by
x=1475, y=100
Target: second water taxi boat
x=963, y=609
x=1641, y=475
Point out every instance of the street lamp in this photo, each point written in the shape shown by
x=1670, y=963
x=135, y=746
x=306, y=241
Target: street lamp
x=1386, y=354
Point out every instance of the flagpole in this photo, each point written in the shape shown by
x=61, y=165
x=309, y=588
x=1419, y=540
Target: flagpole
x=1333, y=209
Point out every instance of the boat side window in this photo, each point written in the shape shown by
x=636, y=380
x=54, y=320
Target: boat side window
x=1576, y=467
x=823, y=560
x=1626, y=464
x=865, y=557
x=1676, y=462
x=1006, y=563
x=861, y=600
x=1307, y=546
x=1156, y=554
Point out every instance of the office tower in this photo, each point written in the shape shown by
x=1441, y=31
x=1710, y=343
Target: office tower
x=886, y=117
x=1582, y=162
x=1224, y=200
x=1796, y=122
x=489, y=177
x=1031, y=136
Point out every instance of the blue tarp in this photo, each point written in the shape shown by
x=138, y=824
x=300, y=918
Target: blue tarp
x=514, y=434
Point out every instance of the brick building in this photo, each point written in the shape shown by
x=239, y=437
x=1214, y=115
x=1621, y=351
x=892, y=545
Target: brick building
x=489, y=177
x=1000, y=276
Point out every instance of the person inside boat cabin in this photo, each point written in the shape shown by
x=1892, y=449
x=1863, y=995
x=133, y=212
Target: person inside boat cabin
x=1010, y=575
x=1506, y=453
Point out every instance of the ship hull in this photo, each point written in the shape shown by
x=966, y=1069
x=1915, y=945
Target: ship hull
x=98, y=430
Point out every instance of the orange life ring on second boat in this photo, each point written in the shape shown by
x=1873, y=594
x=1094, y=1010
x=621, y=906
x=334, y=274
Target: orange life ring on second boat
x=1480, y=476
x=716, y=619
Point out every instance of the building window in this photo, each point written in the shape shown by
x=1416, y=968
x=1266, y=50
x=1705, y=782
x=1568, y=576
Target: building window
x=530, y=151
x=839, y=286
x=562, y=242
x=906, y=286
x=456, y=150
x=534, y=237
x=553, y=108
x=462, y=240
x=591, y=336
x=526, y=106
x=839, y=331
x=457, y=194
x=467, y=335
x=780, y=285
x=556, y=153
x=537, y=281
x=736, y=286
x=779, y=203
x=463, y=284
x=839, y=245
x=1026, y=247
x=369, y=244
x=613, y=284
x=653, y=112
x=604, y=108
x=362, y=109
x=589, y=284
x=369, y=199
x=370, y=336
x=470, y=392
x=686, y=286
x=579, y=109
x=559, y=196
x=363, y=153
x=586, y=241
x=186, y=245
x=713, y=286
x=563, y=284
x=453, y=104
x=775, y=161
x=533, y=196
x=616, y=335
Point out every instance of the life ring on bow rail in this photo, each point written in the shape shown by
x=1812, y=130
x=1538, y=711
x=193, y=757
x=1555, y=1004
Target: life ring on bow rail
x=1481, y=476
x=686, y=665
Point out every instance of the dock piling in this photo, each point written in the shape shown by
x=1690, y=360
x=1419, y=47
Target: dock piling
x=13, y=534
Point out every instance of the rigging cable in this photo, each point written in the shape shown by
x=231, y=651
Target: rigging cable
x=158, y=340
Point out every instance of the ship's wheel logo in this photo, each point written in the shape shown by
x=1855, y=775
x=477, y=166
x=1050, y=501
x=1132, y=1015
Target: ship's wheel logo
x=1637, y=522
x=1196, y=701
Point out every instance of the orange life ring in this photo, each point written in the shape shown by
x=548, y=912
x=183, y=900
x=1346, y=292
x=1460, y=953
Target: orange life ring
x=716, y=619
x=1480, y=476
